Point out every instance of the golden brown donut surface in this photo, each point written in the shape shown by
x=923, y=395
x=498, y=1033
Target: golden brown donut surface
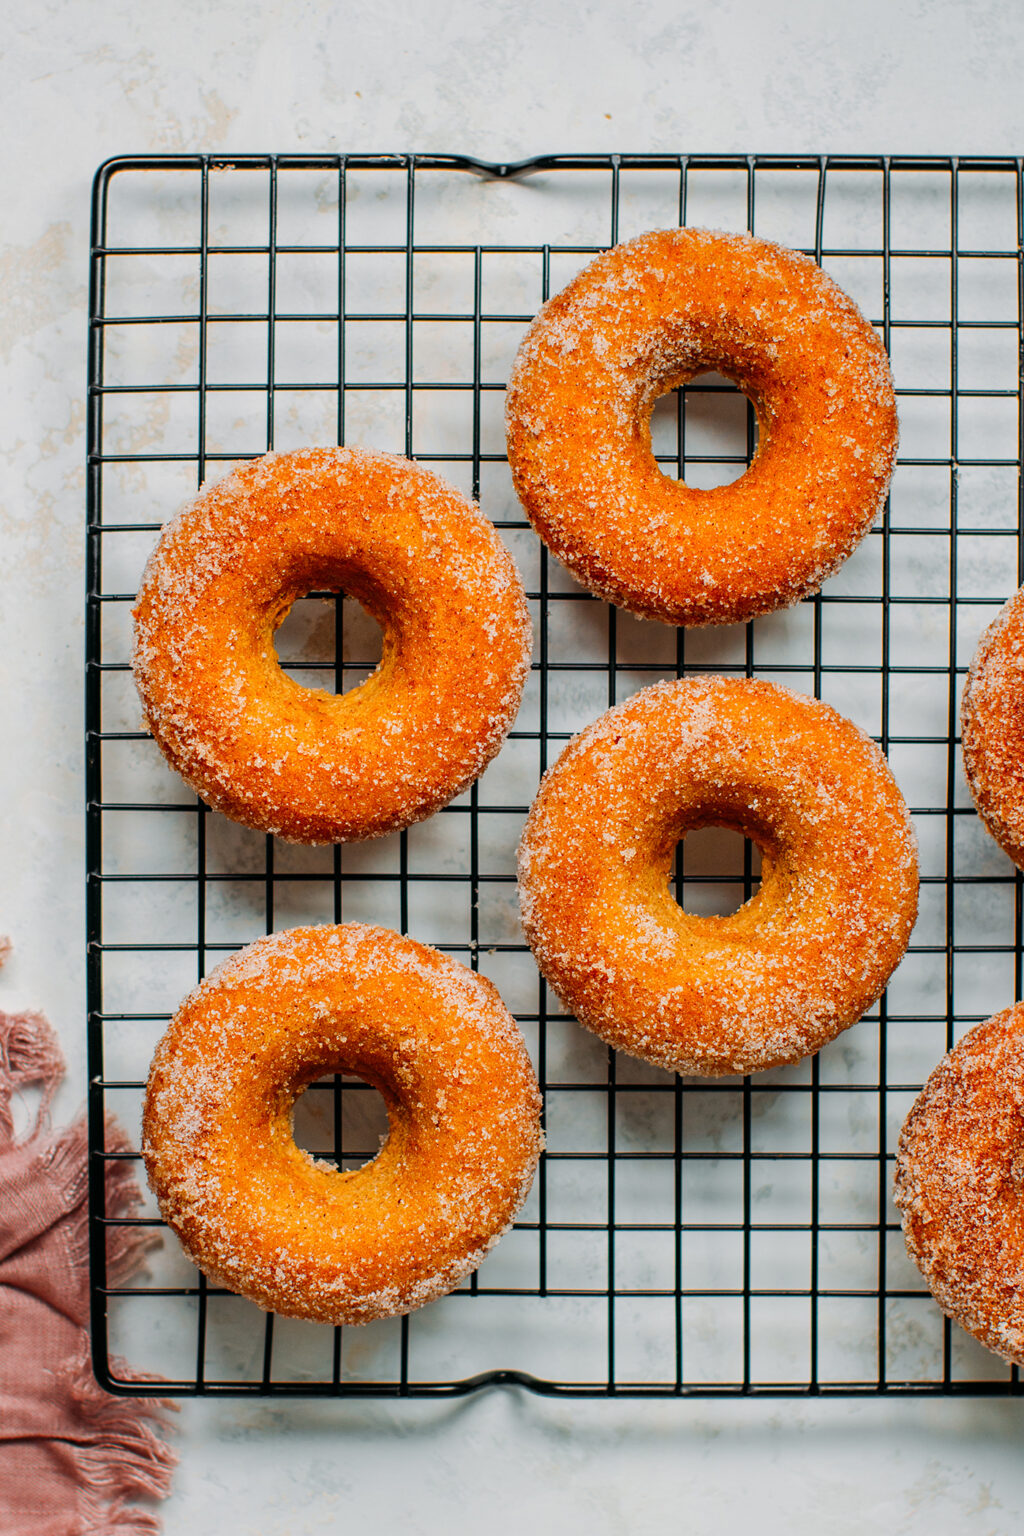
x=796, y=964
x=992, y=728
x=296, y=1236
x=642, y=319
x=299, y=762
x=960, y=1183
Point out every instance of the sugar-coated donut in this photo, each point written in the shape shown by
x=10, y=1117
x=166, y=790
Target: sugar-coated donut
x=304, y=764
x=297, y=1236
x=795, y=965
x=992, y=728
x=644, y=318
x=960, y=1183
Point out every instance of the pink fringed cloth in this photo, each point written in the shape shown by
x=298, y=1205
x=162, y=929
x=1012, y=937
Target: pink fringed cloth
x=72, y=1458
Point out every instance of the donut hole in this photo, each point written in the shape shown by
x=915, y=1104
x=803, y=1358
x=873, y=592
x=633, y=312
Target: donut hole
x=717, y=870
x=705, y=432
x=340, y=1120
x=329, y=641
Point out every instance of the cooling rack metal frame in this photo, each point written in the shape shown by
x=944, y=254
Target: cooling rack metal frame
x=958, y=387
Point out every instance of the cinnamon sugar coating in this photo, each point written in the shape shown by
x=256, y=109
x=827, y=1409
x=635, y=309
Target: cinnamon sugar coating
x=642, y=319
x=992, y=728
x=960, y=1183
x=304, y=764
x=795, y=965
x=262, y=1217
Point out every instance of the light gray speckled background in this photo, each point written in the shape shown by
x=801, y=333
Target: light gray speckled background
x=81, y=81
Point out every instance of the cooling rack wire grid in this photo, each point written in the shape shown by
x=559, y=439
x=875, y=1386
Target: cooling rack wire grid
x=682, y=1237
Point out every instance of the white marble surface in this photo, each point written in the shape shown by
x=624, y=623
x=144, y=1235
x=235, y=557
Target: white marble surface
x=82, y=81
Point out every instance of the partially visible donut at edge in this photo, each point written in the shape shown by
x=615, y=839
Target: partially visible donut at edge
x=992, y=728
x=291, y=1232
x=302, y=763
x=647, y=316
x=796, y=964
x=960, y=1183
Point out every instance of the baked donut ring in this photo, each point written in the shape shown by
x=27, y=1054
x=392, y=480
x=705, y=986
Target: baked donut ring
x=795, y=965
x=646, y=317
x=992, y=728
x=294, y=1235
x=311, y=766
x=960, y=1183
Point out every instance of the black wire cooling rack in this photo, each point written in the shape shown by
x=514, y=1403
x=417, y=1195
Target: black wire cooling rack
x=683, y=1237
